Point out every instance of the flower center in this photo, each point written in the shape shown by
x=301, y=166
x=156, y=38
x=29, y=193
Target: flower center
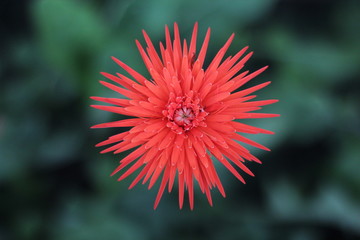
x=184, y=113
x=183, y=116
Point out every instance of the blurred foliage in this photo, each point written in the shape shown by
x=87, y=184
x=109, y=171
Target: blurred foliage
x=55, y=185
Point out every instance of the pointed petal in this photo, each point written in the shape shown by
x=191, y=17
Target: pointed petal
x=121, y=123
x=131, y=71
x=164, y=181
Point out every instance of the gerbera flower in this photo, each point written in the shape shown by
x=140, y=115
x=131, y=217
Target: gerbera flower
x=184, y=117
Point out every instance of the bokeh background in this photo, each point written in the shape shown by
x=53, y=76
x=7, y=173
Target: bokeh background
x=55, y=185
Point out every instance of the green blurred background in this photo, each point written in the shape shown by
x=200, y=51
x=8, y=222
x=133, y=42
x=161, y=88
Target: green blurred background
x=55, y=185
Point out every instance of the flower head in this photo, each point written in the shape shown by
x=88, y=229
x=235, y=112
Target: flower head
x=184, y=117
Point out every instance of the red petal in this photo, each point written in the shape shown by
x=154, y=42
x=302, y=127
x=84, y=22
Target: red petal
x=204, y=47
x=116, y=101
x=242, y=81
x=241, y=127
x=121, y=123
x=162, y=186
x=131, y=71
x=122, y=91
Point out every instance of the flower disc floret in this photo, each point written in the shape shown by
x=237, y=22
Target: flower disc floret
x=184, y=113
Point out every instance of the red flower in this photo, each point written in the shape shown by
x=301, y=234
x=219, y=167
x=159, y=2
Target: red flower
x=184, y=115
